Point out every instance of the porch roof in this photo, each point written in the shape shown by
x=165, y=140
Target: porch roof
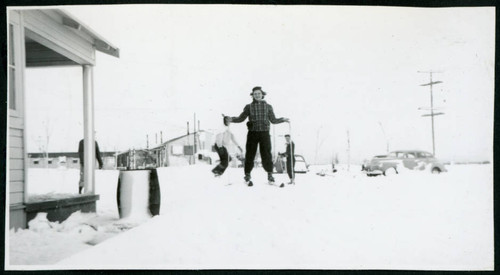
x=100, y=43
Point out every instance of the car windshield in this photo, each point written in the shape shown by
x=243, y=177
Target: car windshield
x=401, y=155
x=410, y=155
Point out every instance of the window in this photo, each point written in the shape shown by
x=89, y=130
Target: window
x=11, y=45
x=50, y=161
x=177, y=150
x=12, y=70
x=36, y=162
x=188, y=150
x=422, y=155
x=75, y=161
x=401, y=154
x=410, y=156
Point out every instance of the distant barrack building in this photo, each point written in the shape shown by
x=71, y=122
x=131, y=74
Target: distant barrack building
x=67, y=160
x=183, y=150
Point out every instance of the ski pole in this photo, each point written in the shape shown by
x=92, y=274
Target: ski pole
x=227, y=173
x=292, y=151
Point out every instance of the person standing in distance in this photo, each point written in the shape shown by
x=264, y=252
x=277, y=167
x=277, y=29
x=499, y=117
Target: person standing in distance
x=259, y=114
x=81, y=155
x=290, y=158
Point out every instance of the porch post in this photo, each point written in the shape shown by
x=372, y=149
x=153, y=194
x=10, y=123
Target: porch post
x=88, y=130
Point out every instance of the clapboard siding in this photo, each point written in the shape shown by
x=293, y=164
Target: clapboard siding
x=16, y=164
x=15, y=186
x=16, y=175
x=16, y=160
x=16, y=197
x=15, y=139
x=16, y=122
x=16, y=153
x=15, y=142
x=59, y=38
x=14, y=132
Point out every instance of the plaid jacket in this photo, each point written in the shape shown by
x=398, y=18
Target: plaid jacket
x=260, y=114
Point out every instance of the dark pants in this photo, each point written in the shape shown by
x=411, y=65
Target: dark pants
x=289, y=167
x=224, y=160
x=263, y=140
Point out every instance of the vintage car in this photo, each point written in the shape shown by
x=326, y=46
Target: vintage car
x=393, y=162
x=301, y=165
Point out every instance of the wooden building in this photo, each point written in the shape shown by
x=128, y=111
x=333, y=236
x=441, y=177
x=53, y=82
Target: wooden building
x=66, y=160
x=136, y=159
x=45, y=38
x=182, y=150
x=174, y=152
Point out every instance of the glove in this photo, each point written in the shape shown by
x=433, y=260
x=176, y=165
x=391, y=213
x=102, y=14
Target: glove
x=228, y=118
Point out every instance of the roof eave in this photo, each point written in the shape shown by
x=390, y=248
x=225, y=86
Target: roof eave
x=100, y=43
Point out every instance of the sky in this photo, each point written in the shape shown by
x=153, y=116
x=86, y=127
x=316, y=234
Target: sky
x=346, y=76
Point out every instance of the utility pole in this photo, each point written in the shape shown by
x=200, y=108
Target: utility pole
x=432, y=109
x=386, y=140
x=199, y=142
x=194, y=134
x=147, y=142
x=161, y=137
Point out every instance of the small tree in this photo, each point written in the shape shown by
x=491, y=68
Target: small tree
x=43, y=142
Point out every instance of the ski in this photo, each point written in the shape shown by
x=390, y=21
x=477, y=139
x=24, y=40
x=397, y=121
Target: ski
x=270, y=181
x=274, y=184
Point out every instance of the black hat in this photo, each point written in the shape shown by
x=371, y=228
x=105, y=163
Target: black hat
x=258, y=88
x=287, y=135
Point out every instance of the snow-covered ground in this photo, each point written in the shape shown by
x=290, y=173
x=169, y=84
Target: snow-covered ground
x=345, y=220
x=45, y=242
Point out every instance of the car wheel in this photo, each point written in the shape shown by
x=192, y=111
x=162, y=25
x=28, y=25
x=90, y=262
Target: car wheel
x=390, y=172
x=436, y=170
